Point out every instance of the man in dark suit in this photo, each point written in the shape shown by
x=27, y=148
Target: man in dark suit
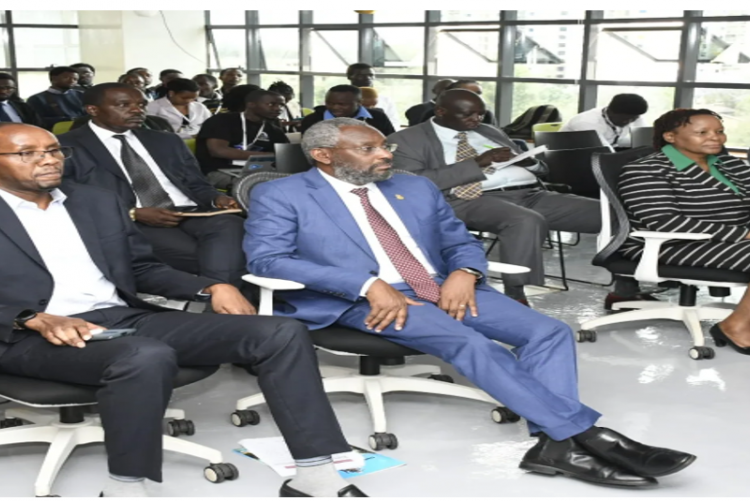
x=72, y=262
x=158, y=179
x=385, y=254
x=346, y=101
x=14, y=110
x=415, y=113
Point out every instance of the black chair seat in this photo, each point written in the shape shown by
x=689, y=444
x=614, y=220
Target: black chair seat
x=620, y=266
x=40, y=392
x=353, y=341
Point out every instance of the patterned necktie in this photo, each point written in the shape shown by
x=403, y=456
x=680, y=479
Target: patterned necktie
x=146, y=187
x=411, y=270
x=465, y=151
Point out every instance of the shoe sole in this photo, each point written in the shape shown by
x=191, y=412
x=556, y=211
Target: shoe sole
x=552, y=471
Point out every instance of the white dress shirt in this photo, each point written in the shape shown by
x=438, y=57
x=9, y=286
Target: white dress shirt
x=386, y=104
x=179, y=199
x=388, y=272
x=512, y=175
x=11, y=111
x=197, y=114
x=595, y=120
x=79, y=284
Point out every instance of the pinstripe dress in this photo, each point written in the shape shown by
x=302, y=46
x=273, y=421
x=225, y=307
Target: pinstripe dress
x=659, y=196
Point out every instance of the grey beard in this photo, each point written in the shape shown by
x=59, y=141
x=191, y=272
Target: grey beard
x=346, y=172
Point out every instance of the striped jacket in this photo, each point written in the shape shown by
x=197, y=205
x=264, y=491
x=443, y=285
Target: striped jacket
x=659, y=197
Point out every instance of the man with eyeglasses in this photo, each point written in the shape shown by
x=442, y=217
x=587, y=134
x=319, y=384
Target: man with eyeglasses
x=14, y=110
x=385, y=254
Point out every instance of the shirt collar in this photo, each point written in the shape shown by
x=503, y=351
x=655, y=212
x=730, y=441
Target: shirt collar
x=104, y=134
x=343, y=187
x=445, y=134
x=680, y=161
x=58, y=197
x=361, y=113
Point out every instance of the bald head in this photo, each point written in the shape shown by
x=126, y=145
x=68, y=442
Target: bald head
x=29, y=174
x=459, y=109
x=441, y=85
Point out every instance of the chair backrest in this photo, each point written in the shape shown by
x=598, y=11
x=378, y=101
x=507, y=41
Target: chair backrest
x=190, y=143
x=290, y=159
x=549, y=127
x=522, y=126
x=642, y=136
x=62, y=127
x=307, y=111
x=573, y=168
x=571, y=140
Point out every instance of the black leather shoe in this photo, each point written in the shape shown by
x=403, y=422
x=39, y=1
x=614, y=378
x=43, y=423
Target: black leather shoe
x=613, y=298
x=550, y=457
x=722, y=339
x=347, y=492
x=637, y=457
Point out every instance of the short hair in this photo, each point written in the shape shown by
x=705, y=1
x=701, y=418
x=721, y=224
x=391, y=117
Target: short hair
x=351, y=89
x=675, y=119
x=628, y=104
x=182, y=85
x=83, y=65
x=164, y=73
x=95, y=95
x=459, y=83
x=234, y=100
x=6, y=76
x=281, y=87
x=208, y=77
x=259, y=94
x=357, y=66
x=135, y=70
x=61, y=70
x=326, y=134
x=225, y=70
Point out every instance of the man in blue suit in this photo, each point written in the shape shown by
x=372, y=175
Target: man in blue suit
x=385, y=253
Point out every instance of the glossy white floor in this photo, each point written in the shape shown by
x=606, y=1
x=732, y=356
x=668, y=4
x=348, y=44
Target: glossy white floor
x=639, y=376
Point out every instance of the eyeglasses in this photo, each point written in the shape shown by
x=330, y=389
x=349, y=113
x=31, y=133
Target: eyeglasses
x=368, y=150
x=60, y=153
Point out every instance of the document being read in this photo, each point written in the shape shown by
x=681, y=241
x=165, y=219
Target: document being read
x=523, y=156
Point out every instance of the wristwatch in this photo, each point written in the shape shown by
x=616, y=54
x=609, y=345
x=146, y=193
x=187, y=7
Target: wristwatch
x=131, y=213
x=23, y=317
x=474, y=272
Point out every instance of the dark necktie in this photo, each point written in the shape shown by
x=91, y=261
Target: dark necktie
x=411, y=270
x=145, y=185
x=4, y=117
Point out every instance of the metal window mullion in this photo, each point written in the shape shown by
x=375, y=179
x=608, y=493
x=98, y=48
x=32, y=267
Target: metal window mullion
x=306, y=81
x=588, y=90
x=252, y=54
x=690, y=41
x=506, y=55
x=429, y=64
x=366, y=35
x=12, y=60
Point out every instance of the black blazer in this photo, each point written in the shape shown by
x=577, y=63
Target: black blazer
x=26, y=112
x=379, y=120
x=415, y=113
x=116, y=246
x=93, y=164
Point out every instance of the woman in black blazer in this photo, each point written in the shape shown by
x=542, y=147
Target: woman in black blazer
x=689, y=186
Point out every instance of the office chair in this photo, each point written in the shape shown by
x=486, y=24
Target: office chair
x=375, y=377
x=607, y=168
x=58, y=413
x=641, y=136
x=62, y=127
x=571, y=140
x=290, y=159
x=572, y=167
x=545, y=127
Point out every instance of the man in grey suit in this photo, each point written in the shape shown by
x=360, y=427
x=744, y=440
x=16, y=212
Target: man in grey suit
x=456, y=151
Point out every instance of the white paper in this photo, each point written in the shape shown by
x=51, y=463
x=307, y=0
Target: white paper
x=274, y=453
x=527, y=154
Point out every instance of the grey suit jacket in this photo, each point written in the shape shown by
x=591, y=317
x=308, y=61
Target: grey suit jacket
x=421, y=152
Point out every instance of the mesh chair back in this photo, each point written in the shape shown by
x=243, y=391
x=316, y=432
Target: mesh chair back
x=571, y=140
x=573, y=168
x=290, y=159
x=242, y=188
x=642, y=136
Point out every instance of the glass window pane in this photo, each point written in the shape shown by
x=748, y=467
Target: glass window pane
x=404, y=93
x=231, y=46
x=399, y=16
x=396, y=50
x=660, y=99
x=526, y=95
x=548, y=51
x=737, y=12
x=724, y=53
x=280, y=48
x=32, y=82
x=335, y=16
x=333, y=51
x=655, y=54
x=468, y=50
x=550, y=14
x=4, y=56
x=643, y=13
x=470, y=15
x=227, y=17
x=45, y=47
x=734, y=106
x=322, y=84
x=280, y=16
x=45, y=17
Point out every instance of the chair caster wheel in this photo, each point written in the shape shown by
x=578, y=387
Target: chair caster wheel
x=442, y=377
x=178, y=427
x=244, y=418
x=10, y=423
x=503, y=415
x=701, y=352
x=217, y=473
x=583, y=335
x=380, y=441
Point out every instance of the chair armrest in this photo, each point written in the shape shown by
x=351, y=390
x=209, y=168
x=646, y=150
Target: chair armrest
x=648, y=265
x=510, y=269
x=267, y=287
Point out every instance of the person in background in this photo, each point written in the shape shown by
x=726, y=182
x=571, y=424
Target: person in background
x=230, y=78
x=181, y=108
x=345, y=101
x=15, y=110
x=234, y=100
x=291, y=114
x=415, y=114
x=229, y=137
x=165, y=77
x=133, y=79
x=208, y=95
x=361, y=75
x=614, y=122
x=471, y=85
x=59, y=103
x=148, y=79
x=369, y=98
x=86, y=74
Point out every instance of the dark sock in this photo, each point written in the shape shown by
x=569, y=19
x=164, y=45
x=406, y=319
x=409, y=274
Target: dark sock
x=590, y=433
x=626, y=286
x=515, y=292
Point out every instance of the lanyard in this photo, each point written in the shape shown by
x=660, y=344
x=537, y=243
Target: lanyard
x=244, y=132
x=611, y=126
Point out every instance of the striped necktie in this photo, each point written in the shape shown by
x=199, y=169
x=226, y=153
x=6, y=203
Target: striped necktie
x=465, y=151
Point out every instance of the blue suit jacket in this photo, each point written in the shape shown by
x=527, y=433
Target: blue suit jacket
x=298, y=228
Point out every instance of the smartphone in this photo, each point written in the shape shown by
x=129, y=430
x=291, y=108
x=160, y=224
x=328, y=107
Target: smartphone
x=105, y=335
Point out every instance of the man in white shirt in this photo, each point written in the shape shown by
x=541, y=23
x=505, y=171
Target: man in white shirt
x=615, y=122
x=361, y=75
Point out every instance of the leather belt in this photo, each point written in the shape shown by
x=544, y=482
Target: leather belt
x=519, y=187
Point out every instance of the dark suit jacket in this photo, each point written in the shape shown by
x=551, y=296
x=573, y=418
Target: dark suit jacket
x=26, y=112
x=116, y=246
x=379, y=120
x=152, y=122
x=488, y=118
x=415, y=113
x=93, y=164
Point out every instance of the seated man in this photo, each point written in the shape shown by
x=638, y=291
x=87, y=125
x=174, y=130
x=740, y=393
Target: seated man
x=61, y=102
x=346, y=101
x=456, y=151
x=385, y=254
x=209, y=95
x=474, y=87
x=158, y=179
x=73, y=262
x=362, y=75
x=13, y=110
x=86, y=74
x=415, y=113
x=614, y=122
x=165, y=76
